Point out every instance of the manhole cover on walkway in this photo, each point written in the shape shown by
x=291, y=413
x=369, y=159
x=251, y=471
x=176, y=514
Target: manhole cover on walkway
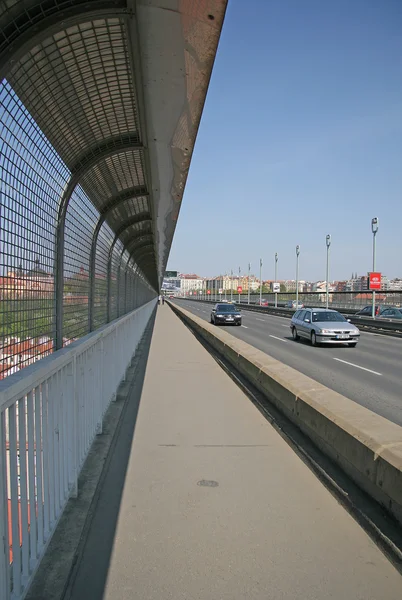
x=207, y=483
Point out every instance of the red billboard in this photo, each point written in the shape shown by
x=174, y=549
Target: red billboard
x=374, y=281
x=239, y=289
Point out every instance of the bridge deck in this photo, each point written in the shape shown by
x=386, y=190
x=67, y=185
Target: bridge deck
x=263, y=527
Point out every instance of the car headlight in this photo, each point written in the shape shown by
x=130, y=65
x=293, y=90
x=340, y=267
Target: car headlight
x=324, y=331
x=219, y=315
x=356, y=332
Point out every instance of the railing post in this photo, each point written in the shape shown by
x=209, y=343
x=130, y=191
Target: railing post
x=4, y=548
x=73, y=428
x=99, y=399
x=39, y=451
x=15, y=522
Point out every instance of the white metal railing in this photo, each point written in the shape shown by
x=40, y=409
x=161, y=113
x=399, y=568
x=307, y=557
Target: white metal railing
x=50, y=413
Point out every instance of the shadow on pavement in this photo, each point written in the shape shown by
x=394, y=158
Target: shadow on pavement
x=89, y=574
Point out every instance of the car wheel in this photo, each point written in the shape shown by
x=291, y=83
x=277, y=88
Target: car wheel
x=352, y=345
x=313, y=339
x=239, y=324
x=211, y=320
x=296, y=336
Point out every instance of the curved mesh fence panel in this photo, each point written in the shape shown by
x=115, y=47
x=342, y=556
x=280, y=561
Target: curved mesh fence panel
x=33, y=179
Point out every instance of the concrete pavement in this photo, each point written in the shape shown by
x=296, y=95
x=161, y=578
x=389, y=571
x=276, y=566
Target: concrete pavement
x=369, y=374
x=213, y=503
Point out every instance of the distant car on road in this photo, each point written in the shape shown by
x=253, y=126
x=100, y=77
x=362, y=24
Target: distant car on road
x=263, y=302
x=293, y=304
x=379, y=309
x=225, y=313
x=391, y=313
x=323, y=326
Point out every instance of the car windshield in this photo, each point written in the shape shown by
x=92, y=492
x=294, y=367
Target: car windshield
x=320, y=317
x=224, y=308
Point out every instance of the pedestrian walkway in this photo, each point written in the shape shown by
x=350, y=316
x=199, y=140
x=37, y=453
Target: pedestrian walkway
x=208, y=502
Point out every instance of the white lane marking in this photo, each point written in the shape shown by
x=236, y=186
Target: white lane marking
x=362, y=332
x=204, y=311
x=257, y=319
x=287, y=326
x=245, y=327
x=357, y=366
x=278, y=338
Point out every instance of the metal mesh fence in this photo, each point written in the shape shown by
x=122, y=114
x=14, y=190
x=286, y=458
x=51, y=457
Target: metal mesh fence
x=33, y=179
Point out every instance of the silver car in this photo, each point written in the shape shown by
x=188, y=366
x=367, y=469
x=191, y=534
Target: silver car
x=293, y=304
x=323, y=326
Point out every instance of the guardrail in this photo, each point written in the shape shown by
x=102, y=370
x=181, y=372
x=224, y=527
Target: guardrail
x=347, y=302
x=384, y=326
x=50, y=413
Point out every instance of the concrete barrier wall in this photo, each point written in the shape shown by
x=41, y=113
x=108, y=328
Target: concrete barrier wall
x=365, y=445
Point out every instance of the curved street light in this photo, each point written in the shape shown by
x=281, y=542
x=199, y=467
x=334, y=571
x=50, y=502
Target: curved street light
x=328, y=242
x=374, y=229
x=297, y=275
x=276, y=276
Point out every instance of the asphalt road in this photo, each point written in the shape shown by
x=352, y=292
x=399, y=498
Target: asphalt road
x=370, y=374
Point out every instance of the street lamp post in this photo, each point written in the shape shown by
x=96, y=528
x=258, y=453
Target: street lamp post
x=231, y=285
x=224, y=281
x=260, y=281
x=328, y=242
x=297, y=275
x=276, y=275
x=239, y=282
x=248, y=284
x=374, y=229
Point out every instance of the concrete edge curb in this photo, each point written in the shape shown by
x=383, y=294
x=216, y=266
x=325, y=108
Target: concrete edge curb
x=366, y=446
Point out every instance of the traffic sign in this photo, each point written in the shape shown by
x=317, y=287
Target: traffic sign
x=208, y=291
x=276, y=287
x=239, y=289
x=220, y=291
x=374, y=281
x=200, y=292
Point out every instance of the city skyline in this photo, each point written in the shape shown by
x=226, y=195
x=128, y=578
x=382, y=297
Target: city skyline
x=355, y=275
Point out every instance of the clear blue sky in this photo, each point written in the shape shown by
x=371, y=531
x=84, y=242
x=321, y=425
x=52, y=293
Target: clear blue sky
x=301, y=136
